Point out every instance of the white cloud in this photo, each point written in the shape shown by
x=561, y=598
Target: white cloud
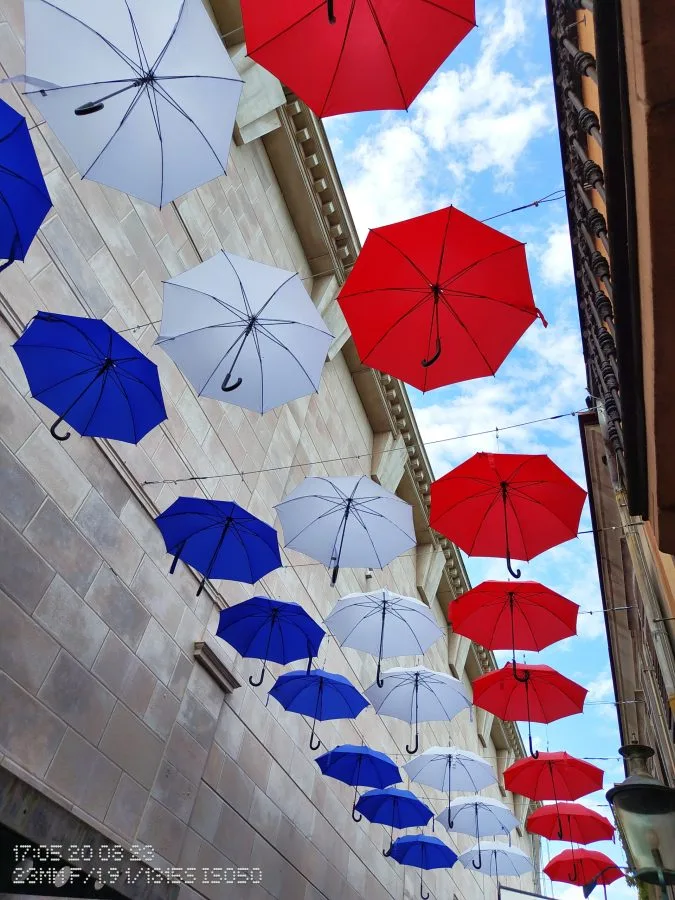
x=555, y=258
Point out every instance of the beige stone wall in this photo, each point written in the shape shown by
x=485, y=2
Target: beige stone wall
x=103, y=707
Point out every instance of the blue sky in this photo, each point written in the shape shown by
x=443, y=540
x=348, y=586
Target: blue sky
x=483, y=136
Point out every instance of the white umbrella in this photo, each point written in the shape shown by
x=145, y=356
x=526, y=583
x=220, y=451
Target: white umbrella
x=418, y=695
x=244, y=332
x=346, y=521
x=492, y=858
x=145, y=95
x=384, y=624
x=478, y=816
x=451, y=769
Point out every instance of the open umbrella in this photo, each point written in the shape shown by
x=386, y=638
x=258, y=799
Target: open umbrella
x=93, y=379
x=219, y=539
x=146, y=103
x=522, y=692
x=424, y=852
x=418, y=695
x=394, y=807
x=503, y=615
x=553, y=776
x=478, y=816
x=343, y=56
x=360, y=766
x=581, y=866
x=570, y=822
x=270, y=630
x=438, y=299
x=346, y=521
x=506, y=505
x=493, y=858
x=319, y=694
x=244, y=332
x=384, y=624
x=24, y=199
x=450, y=769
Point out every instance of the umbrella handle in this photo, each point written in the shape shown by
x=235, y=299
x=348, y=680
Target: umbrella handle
x=378, y=677
x=515, y=573
x=259, y=681
x=533, y=753
x=232, y=387
x=331, y=13
x=526, y=676
x=480, y=863
x=59, y=437
x=429, y=362
x=334, y=576
x=422, y=894
x=387, y=852
x=417, y=743
x=355, y=815
x=312, y=745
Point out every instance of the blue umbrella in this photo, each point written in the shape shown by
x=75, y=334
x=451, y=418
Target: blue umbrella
x=360, y=766
x=24, y=199
x=219, y=539
x=267, y=629
x=92, y=378
x=392, y=806
x=319, y=694
x=424, y=852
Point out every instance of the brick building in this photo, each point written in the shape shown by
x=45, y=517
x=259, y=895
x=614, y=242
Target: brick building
x=125, y=722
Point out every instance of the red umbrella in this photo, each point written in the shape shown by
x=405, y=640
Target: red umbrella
x=570, y=822
x=438, y=299
x=521, y=692
x=503, y=615
x=582, y=866
x=343, y=56
x=553, y=776
x=506, y=504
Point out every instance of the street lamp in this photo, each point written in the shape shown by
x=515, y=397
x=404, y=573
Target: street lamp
x=644, y=809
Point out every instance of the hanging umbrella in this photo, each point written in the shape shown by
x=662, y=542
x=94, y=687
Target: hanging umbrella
x=500, y=860
x=478, y=816
x=343, y=56
x=424, y=852
x=418, y=695
x=570, y=822
x=384, y=624
x=522, y=692
x=146, y=103
x=360, y=766
x=271, y=630
x=438, y=299
x=219, y=539
x=553, y=776
x=581, y=866
x=346, y=521
x=506, y=504
x=244, y=332
x=450, y=769
x=502, y=615
x=93, y=379
x=24, y=199
x=319, y=694
x=394, y=807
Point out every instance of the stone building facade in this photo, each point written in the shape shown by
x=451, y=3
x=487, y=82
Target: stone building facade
x=124, y=722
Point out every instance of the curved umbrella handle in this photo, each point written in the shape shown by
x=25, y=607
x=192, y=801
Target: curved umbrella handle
x=259, y=681
x=422, y=894
x=334, y=576
x=59, y=437
x=533, y=753
x=526, y=676
x=387, y=852
x=378, y=677
x=429, y=362
x=356, y=816
x=417, y=744
x=312, y=745
x=230, y=387
x=331, y=14
x=516, y=573
x=480, y=862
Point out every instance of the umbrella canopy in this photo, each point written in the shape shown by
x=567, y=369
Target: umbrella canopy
x=384, y=624
x=346, y=521
x=478, y=816
x=343, y=56
x=553, y=776
x=394, y=807
x=319, y=694
x=503, y=615
x=147, y=103
x=244, y=332
x=521, y=692
x=581, y=866
x=93, y=379
x=24, y=199
x=219, y=539
x=418, y=695
x=500, y=860
x=360, y=766
x=450, y=769
x=424, y=852
x=570, y=822
x=261, y=628
x=506, y=505
x=438, y=299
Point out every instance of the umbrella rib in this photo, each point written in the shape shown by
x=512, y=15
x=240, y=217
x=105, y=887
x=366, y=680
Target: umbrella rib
x=478, y=262
x=142, y=58
x=487, y=512
x=123, y=390
x=276, y=291
x=539, y=503
x=244, y=297
x=474, y=296
x=160, y=56
x=462, y=325
x=339, y=59
x=60, y=320
x=17, y=233
x=256, y=341
x=357, y=516
x=324, y=514
x=154, y=109
x=139, y=381
x=443, y=245
x=244, y=547
x=103, y=381
x=275, y=340
x=117, y=130
x=377, y=290
x=287, y=28
x=50, y=387
x=241, y=337
x=388, y=51
x=378, y=232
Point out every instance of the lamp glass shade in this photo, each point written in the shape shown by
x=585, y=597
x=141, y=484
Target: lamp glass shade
x=645, y=813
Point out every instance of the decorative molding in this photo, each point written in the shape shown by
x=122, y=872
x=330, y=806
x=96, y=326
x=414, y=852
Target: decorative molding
x=210, y=657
